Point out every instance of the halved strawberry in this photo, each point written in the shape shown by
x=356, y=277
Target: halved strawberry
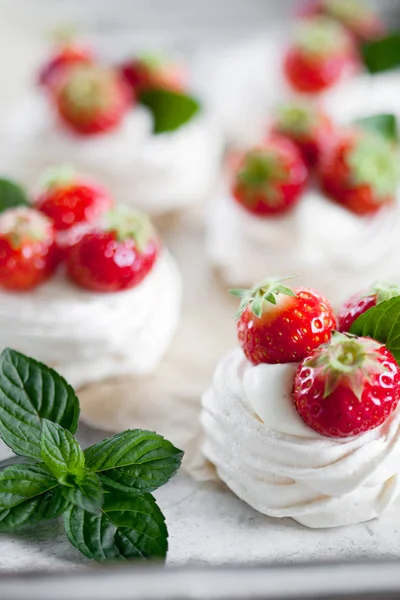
x=64, y=57
x=347, y=387
x=269, y=179
x=28, y=252
x=91, y=99
x=360, y=170
x=116, y=256
x=277, y=324
x=305, y=124
x=361, y=302
x=151, y=71
x=323, y=53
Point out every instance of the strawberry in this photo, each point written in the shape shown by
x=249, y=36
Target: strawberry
x=28, y=252
x=116, y=256
x=269, y=179
x=322, y=54
x=356, y=15
x=347, y=387
x=306, y=125
x=277, y=324
x=360, y=303
x=91, y=99
x=69, y=199
x=360, y=170
x=63, y=58
x=150, y=72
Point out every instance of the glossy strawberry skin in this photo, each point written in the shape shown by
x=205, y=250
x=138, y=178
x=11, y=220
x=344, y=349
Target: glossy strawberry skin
x=289, y=187
x=287, y=332
x=312, y=143
x=341, y=413
x=105, y=117
x=64, y=58
x=29, y=263
x=101, y=263
x=73, y=203
x=354, y=308
x=314, y=76
x=335, y=176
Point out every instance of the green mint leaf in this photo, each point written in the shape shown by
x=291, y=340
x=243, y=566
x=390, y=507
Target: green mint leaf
x=383, y=123
x=61, y=453
x=382, y=54
x=382, y=323
x=128, y=527
x=11, y=195
x=28, y=495
x=87, y=494
x=30, y=392
x=170, y=109
x=134, y=461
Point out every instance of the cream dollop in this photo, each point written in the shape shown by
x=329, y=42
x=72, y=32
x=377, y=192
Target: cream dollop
x=89, y=336
x=323, y=245
x=268, y=457
x=158, y=173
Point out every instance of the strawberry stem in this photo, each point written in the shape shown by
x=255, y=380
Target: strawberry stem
x=266, y=291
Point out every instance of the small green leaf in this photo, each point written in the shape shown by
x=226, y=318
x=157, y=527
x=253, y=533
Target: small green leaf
x=30, y=392
x=128, y=527
x=382, y=54
x=134, y=461
x=170, y=109
x=383, y=123
x=239, y=293
x=28, y=495
x=382, y=323
x=61, y=453
x=11, y=195
x=86, y=494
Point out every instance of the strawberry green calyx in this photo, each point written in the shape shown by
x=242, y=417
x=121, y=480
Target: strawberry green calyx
x=297, y=118
x=321, y=37
x=266, y=291
x=385, y=291
x=348, y=359
x=152, y=61
x=349, y=12
x=260, y=170
x=58, y=177
x=89, y=89
x=129, y=223
x=375, y=162
x=24, y=225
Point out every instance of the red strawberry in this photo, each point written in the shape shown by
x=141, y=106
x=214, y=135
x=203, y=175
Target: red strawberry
x=64, y=57
x=91, y=99
x=153, y=72
x=28, y=253
x=322, y=54
x=117, y=256
x=360, y=170
x=279, y=325
x=69, y=199
x=347, y=386
x=306, y=125
x=355, y=15
x=269, y=179
x=360, y=303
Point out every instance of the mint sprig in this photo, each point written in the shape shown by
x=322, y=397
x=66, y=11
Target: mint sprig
x=11, y=195
x=102, y=493
x=170, y=109
x=383, y=123
x=382, y=54
x=382, y=323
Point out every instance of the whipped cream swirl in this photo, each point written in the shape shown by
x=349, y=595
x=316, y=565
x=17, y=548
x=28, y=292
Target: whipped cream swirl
x=266, y=454
x=157, y=173
x=89, y=336
x=321, y=243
